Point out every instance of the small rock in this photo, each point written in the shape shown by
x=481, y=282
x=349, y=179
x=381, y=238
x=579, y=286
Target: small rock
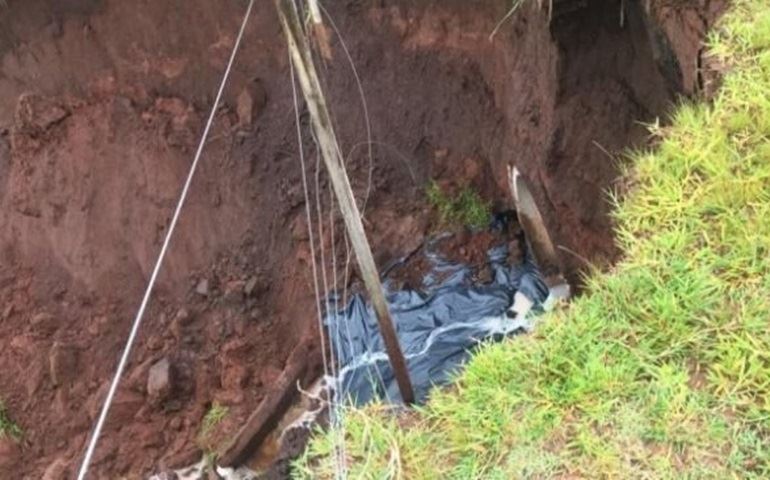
x=245, y=109
x=175, y=424
x=256, y=286
x=256, y=314
x=35, y=376
x=166, y=475
x=233, y=294
x=22, y=343
x=124, y=406
x=61, y=403
x=159, y=380
x=54, y=29
x=106, y=450
x=183, y=458
x=248, y=289
x=515, y=255
x=472, y=169
x=94, y=403
x=137, y=379
x=155, y=342
x=202, y=288
x=441, y=153
x=57, y=470
x=268, y=375
x=44, y=322
x=149, y=438
x=233, y=376
x=182, y=316
x=38, y=113
x=179, y=321
x=97, y=325
x=250, y=103
x=10, y=452
x=485, y=274
x=299, y=228
x=176, y=107
x=62, y=362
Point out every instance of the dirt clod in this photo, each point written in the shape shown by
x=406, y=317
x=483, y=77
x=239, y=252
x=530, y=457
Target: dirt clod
x=57, y=470
x=9, y=452
x=202, y=288
x=37, y=113
x=250, y=103
x=43, y=322
x=63, y=363
x=234, y=292
x=160, y=380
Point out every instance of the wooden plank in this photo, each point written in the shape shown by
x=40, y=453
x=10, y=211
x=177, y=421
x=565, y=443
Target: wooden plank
x=269, y=411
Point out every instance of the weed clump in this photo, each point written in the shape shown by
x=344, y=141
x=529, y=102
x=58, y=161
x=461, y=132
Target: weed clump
x=8, y=428
x=467, y=208
x=213, y=417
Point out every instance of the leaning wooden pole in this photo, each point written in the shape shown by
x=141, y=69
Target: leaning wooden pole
x=327, y=140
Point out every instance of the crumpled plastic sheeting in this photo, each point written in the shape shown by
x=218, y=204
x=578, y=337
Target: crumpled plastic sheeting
x=437, y=329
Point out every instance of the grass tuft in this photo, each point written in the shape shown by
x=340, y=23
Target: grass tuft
x=466, y=208
x=662, y=368
x=9, y=428
x=213, y=417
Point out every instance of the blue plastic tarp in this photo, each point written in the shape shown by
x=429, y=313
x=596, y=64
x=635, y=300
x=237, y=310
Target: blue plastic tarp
x=437, y=328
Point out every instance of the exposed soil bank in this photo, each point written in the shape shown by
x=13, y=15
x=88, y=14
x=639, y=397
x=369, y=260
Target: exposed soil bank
x=101, y=105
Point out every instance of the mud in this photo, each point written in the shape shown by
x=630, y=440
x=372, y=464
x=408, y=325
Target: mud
x=101, y=106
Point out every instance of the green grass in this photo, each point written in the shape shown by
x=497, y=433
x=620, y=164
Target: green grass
x=208, y=437
x=8, y=428
x=213, y=417
x=662, y=368
x=466, y=208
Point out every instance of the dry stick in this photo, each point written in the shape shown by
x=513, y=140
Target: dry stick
x=327, y=140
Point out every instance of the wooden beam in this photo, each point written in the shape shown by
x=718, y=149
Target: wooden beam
x=321, y=119
x=270, y=410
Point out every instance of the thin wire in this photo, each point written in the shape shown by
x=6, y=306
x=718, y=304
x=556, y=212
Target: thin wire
x=312, y=245
x=393, y=149
x=308, y=216
x=369, y=143
x=365, y=339
x=338, y=392
x=367, y=121
x=333, y=407
x=335, y=424
x=147, y=294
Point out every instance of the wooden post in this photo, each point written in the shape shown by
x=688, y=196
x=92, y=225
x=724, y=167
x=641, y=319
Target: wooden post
x=273, y=406
x=327, y=140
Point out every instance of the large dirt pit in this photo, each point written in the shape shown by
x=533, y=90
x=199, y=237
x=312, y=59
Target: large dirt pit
x=101, y=107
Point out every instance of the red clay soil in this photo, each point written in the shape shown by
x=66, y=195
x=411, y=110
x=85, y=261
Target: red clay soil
x=101, y=106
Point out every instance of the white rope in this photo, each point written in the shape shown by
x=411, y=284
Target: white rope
x=153, y=278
